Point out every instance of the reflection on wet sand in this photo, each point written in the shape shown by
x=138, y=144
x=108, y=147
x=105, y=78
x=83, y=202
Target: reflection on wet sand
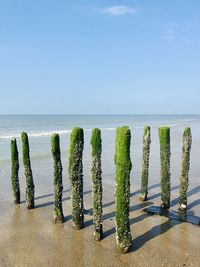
x=30, y=238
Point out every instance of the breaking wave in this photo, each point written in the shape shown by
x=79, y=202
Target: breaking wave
x=45, y=133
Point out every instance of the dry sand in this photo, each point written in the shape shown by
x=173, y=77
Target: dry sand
x=30, y=238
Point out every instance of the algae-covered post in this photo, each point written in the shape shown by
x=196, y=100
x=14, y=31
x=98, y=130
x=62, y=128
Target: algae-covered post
x=30, y=188
x=145, y=163
x=96, y=143
x=164, y=136
x=76, y=176
x=15, y=171
x=184, y=179
x=58, y=186
x=122, y=193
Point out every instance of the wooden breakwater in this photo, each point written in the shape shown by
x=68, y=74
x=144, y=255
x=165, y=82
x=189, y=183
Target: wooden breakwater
x=123, y=167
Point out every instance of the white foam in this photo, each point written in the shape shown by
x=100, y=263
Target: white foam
x=187, y=120
x=35, y=134
x=46, y=133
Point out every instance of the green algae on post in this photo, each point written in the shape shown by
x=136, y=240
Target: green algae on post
x=76, y=176
x=30, y=187
x=145, y=163
x=164, y=136
x=184, y=179
x=122, y=192
x=58, y=186
x=15, y=171
x=96, y=143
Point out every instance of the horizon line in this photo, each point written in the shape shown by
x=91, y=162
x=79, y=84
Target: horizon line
x=100, y=114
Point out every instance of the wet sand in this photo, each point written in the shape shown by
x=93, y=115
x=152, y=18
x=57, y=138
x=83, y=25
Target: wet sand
x=30, y=238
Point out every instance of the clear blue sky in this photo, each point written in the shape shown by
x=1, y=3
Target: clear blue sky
x=99, y=56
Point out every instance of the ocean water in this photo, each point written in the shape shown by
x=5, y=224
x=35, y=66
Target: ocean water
x=41, y=127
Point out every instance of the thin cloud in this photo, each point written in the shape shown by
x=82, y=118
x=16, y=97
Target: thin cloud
x=169, y=35
x=119, y=10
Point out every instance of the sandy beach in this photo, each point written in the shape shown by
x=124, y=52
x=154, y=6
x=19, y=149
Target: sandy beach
x=30, y=238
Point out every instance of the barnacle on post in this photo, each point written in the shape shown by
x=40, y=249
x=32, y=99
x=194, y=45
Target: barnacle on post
x=184, y=179
x=164, y=136
x=122, y=193
x=76, y=176
x=15, y=171
x=97, y=183
x=30, y=187
x=58, y=186
x=145, y=163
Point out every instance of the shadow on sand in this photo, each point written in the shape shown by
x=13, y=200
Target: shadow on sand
x=173, y=219
x=155, y=231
